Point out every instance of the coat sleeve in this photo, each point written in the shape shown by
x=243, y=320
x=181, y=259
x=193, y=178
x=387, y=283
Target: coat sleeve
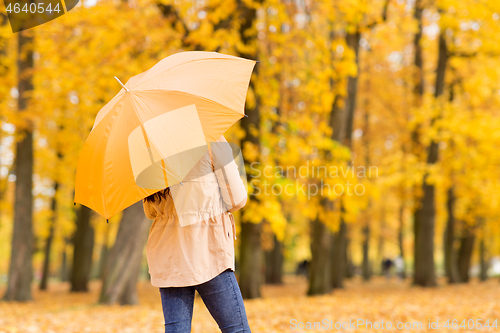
x=148, y=210
x=232, y=188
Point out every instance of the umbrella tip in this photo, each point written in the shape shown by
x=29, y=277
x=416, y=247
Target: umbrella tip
x=182, y=184
x=107, y=221
x=120, y=82
x=257, y=61
x=245, y=115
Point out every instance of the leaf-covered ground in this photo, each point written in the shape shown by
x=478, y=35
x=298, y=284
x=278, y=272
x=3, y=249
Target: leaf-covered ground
x=377, y=301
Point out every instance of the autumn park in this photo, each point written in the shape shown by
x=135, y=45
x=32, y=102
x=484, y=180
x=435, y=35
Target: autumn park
x=370, y=138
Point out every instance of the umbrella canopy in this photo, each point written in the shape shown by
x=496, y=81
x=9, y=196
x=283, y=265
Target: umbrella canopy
x=151, y=134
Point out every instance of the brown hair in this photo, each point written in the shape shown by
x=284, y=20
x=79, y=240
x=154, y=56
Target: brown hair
x=157, y=196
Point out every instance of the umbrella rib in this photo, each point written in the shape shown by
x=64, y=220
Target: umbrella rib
x=148, y=144
x=100, y=116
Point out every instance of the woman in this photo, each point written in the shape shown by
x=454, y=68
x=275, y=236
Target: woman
x=191, y=246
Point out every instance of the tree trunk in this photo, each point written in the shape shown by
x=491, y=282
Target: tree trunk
x=103, y=257
x=339, y=256
x=3, y=72
x=484, y=260
x=352, y=41
x=102, y=260
x=419, y=62
x=342, y=123
x=124, y=261
x=21, y=266
x=320, y=279
x=82, y=252
x=450, y=256
x=465, y=254
x=425, y=213
x=64, y=272
x=250, y=278
x=274, y=263
x=48, y=243
x=381, y=243
x=419, y=88
x=365, y=267
x=424, y=274
x=250, y=275
x=349, y=266
x=320, y=271
x=400, y=239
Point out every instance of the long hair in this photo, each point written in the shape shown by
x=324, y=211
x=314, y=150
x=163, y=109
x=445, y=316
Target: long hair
x=157, y=196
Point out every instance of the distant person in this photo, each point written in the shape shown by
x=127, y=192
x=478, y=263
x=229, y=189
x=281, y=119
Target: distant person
x=303, y=268
x=387, y=268
x=399, y=264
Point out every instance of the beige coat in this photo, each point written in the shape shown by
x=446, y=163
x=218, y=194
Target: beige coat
x=192, y=241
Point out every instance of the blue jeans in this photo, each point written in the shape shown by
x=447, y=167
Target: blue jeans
x=222, y=297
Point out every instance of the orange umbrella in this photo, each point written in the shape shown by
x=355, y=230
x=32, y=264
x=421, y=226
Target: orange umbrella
x=157, y=127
